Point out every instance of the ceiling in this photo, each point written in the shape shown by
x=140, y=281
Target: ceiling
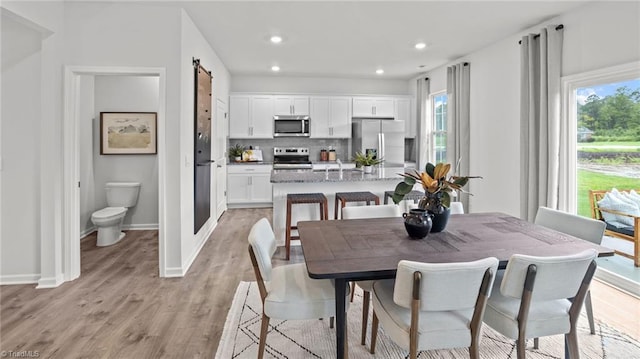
x=354, y=38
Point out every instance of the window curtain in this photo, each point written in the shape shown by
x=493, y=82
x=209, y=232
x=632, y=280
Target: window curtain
x=423, y=131
x=540, y=67
x=458, y=114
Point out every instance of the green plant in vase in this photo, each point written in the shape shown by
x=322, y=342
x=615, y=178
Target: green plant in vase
x=366, y=160
x=437, y=189
x=236, y=152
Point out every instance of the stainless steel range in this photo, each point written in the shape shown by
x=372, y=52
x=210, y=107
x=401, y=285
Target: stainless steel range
x=291, y=158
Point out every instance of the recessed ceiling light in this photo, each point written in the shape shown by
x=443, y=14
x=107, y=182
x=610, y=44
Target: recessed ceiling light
x=275, y=68
x=379, y=71
x=276, y=39
x=420, y=45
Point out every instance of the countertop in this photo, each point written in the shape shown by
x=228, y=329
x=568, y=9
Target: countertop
x=306, y=176
x=244, y=163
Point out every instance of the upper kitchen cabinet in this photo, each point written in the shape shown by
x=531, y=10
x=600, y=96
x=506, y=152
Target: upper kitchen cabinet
x=292, y=105
x=404, y=112
x=251, y=116
x=373, y=107
x=330, y=117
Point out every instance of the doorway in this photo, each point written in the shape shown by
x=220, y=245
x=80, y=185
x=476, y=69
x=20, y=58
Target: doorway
x=71, y=196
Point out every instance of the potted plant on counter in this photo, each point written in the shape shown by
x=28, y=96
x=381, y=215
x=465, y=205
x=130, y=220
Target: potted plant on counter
x=366, y=161
x=236, y=152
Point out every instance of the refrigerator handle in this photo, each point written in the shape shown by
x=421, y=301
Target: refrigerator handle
x=381, y=146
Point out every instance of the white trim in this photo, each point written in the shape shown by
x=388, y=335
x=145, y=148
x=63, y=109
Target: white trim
x=620, y=282
x=19, y=279
x=141, y=227
x=50, y=282
x=568, y=168
x=71, y=207
x=203, y=236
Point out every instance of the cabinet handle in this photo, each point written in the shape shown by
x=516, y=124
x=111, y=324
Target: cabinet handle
x=250, y=181
x=293, y=109
x=374, y=110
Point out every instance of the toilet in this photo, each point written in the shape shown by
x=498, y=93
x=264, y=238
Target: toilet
x=120, y=197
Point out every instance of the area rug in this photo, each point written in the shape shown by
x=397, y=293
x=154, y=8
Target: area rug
x=314, y=339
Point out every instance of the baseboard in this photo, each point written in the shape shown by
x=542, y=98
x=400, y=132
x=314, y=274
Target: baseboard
x=87, y=232
x=173, y=272
x=249, y=205
x=19, y=279
x=203, y=236
x=140, y=227
x=618, y=281
x=50, y=282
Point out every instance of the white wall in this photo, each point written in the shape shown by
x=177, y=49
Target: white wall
x=20, y=248
x=597, y=35
x=86, y=115
x=319, y=85
x=126, y=94
x=193, y=45
x=35, y=248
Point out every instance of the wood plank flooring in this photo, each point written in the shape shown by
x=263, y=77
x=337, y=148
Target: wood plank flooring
x=120, y=308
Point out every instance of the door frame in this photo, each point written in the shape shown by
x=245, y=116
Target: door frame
x=71, y=162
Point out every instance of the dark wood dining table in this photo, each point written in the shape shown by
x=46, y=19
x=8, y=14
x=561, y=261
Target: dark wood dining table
x=370, y=249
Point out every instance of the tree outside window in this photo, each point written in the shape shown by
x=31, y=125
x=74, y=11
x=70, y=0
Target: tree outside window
x=439, y=115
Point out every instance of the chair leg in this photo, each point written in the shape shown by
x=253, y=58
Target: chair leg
x=536, y=343
x=335, y=209
x=353, y=290
x=287, y=229
x=474, y=351
x=521, y=344
x=263, y=335
x=571, y=340
x=365, y=315
x=587, y=304
x=374, y=333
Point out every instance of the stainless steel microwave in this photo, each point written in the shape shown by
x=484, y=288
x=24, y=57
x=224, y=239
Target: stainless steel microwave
x=290, y=126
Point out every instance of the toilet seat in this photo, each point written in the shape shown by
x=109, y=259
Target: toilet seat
x=108, y=213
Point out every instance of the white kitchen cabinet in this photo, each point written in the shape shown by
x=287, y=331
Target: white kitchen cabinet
x=251, y=116
x=373, y=107
x=330, y=117
x=291, y=105
x=221, y=186
x=404, y=112
x=249, y=186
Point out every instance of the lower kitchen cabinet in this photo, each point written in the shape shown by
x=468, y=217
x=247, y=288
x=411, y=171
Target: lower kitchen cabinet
x=249, y=186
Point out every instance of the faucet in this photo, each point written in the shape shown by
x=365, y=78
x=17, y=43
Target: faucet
x=326, y=172
x=339, y=166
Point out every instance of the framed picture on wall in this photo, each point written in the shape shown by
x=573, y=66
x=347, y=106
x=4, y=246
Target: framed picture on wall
x=128, y=133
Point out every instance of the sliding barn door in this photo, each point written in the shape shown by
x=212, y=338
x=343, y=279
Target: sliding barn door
x=202, y=146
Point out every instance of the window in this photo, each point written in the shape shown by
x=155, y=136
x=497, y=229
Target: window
x=439, y=134
x=602, y=136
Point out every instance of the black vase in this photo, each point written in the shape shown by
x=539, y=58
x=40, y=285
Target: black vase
x=439, y=220
x=417, y=223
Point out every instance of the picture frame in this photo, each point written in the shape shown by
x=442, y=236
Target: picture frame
x=128, y=133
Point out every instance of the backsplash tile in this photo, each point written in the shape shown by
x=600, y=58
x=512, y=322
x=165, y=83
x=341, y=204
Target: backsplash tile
x=315, y=145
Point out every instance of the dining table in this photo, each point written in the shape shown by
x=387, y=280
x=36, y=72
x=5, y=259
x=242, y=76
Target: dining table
x=370, y=249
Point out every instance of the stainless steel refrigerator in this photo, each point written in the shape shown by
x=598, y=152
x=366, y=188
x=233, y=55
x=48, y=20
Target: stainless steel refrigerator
x=384, y=137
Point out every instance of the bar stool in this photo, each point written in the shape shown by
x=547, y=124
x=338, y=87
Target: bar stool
x=414, y=195
x=344, y=197
x=299, y=198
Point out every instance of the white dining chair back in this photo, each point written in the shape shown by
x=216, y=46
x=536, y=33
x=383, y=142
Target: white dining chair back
x=541, y=296
x=375, y=211
x=456, y=208
x=585, y=228
x=434, y=305
x=263, y=242
x=286, y=291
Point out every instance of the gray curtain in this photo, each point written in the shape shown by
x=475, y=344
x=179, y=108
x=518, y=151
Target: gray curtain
x=422, y=130
x=458, y=114
x=540, y=67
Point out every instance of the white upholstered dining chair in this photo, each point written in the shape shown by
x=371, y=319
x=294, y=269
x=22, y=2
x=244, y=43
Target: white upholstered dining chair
x=356, y=212
x=582, y=227
x=287, y=291
x=434, y=305
x=541, y=296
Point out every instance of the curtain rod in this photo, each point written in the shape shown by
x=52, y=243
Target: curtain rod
x=559, y=27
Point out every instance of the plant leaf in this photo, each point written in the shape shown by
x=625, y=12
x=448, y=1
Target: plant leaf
x=429, y=169
x=446, y=199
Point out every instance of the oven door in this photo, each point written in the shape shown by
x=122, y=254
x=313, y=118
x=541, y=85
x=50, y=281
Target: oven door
x=291, y=126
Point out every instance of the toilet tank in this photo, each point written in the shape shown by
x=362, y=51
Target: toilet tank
x=122, y=194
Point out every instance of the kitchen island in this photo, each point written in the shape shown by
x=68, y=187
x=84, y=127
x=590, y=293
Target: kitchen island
x=328, y=182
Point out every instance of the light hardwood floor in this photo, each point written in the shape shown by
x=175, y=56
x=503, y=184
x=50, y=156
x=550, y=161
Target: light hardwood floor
x=120, y=308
